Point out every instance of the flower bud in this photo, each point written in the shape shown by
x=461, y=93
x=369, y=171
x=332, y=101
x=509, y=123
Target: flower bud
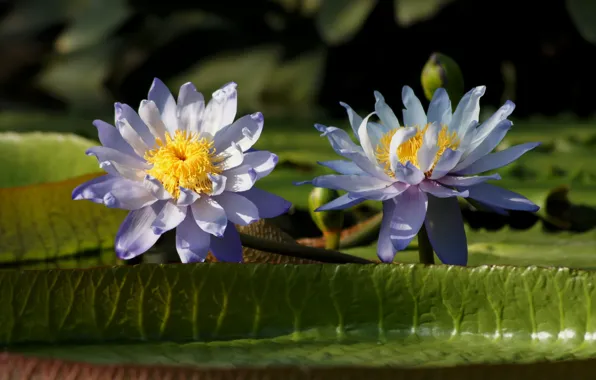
x=440, y=71
x=329, y=222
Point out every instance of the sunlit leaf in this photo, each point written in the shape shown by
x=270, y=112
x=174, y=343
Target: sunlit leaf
x=339, y=20
x=408, y=12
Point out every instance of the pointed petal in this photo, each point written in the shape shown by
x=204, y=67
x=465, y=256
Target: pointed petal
x=440, y=191
x=439, y=109
x=401, y=135
x=128, y=195
x=491, y=123
x=112, y=155
x=165, y=102
x=231, y=157
x=192, y=243
x=218, y=182
x=385, y=250
x=156, y=188
x=95, y=189
x=110, y=137
x=349, y=182
x=150, y=115
x=135, y=235
x=340, y=203
x=486, y=146
x=245, y=132
x=268, y=204
x=227, y=248
x=239, y=210
x=382, y=194
x=355, y=119
x=408, y=173
x=339, y=139
x=410, y=212
x=498, y=159
x=342, y=166
x=262, y=162
x=467, y=181
x=446, y=162
x=187, y=197
x=367, y=138
x=467, y=110
x=385, y=113
x=210, y=216
x=428, y=151
x=241, y=178
x=414, y=114
x=169, y=218
x=190, y=108
x=499, y=197
x=220, y=110
x=123, y=112
x=445, y=227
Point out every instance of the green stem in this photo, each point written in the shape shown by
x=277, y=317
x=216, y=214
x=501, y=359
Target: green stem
x=332, y=239
x=425, y=250
x=301, y=251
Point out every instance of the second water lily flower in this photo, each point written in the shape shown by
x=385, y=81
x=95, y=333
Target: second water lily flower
x=419, y=168
x=183, y=165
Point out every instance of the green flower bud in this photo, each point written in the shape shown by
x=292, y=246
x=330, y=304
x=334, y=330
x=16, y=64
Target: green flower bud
x=329, y=222
x=442, y=71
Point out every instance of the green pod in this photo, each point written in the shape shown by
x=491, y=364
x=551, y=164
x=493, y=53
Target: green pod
x=329, y=222
x=440, y=71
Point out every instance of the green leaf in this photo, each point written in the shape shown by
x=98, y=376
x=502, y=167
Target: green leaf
x=226, y=315
x=583, y=15
x=408, y=12
x=339, y=20
x=33, y=158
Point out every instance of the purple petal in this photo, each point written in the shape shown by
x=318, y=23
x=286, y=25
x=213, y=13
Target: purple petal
x=231, y=157
x=228, y=248
x=164, y=100
x=385, y=249
x=218, y=183
x=190, y=108
x=498, y=159
x=156, y=188
x=149, y=113
x=169, y=218
x=439, y=109
x=111, y=138
x=342, y=202
x=355, y=119
x=385, y=112
x=467, y=181
x=342, y=166
x=410, y=212
x=230, y=104
x=238, y=209
x=486, y=128
x=104, y=154
x=135, y=235
x=368, y=167
x=499, y=197
x=192, y=243
x=220, y=111
x=210, y=216
x=369, y=137
x=408, y=173
x=269, y=205
x=349, y=182
x=467, y=111
x=125, y=113
x=382, y=194
x=241, y=178
x=446, y=162
x=339, y=139
x=445, y=227
x=114, y=192
x=439, y=191
x=414, y=114
x=262, y=162
x=245, y=132
x=486, y=146
x=428, y=151
x=118, y=170
x=187, y=197
x=399, y=137
x=96, y=188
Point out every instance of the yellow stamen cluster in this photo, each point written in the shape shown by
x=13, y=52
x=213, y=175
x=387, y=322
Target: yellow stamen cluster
x=408, y=150
x=183, y=160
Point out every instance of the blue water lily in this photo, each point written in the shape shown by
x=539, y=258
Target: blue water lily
x=419, y=168
x=184, y=165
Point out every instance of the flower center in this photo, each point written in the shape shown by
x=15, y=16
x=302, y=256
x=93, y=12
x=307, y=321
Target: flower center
x=408, y=150
x=183, y=161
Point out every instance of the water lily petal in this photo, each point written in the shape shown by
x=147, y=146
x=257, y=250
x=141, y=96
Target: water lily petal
x=467, y=110
x=262, y=162
x=190, y=108
x=245, y=132
x=349, y=182
x=428, y=151
x=355, y=119
x=125, y=112
x=209, y=215
x=410, y=212
x=231, y=157
x=491, y=123
x=128, y=195
x=220, y=111
x=498, y=159
x=241, y=178
x=149, y=113
x=401, y=135
x=446, y=162
x=227, y=248
x=239, y=210
x=218, y=183
x=268, y=204
x=110, y=137
x=112, y=155
x=187, y=197
x=135, y=235
x=169, y=218
x=385, y=113
x=467, y=181
x=342, y=166
x=192, y=243
x=385, y=250
x=342, y=202
x=414, y=114
x=484, y=147
x=445, y=227
x=339, y=139
x=499, y=197
x=116, y=169
x=382, y=194
x=155, y=187
x=368, y=138
x=439, y=109
x=96, y=188
x=408, y=173
x=166, y=104
x=440, y=191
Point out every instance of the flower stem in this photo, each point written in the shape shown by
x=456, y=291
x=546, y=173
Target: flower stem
x=425, y=250
x=301, y=251
x=332, y=239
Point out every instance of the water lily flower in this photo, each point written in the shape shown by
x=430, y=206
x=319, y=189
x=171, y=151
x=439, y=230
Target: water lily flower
x=419, y=168
x=183, y=165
